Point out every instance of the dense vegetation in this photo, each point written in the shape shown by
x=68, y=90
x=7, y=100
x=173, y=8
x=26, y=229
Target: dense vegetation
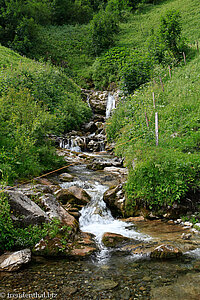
x=160, y=176
x=16, y=237
x=133, y=43
x=36, y=99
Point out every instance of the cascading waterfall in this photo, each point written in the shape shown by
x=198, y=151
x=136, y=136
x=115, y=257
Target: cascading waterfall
x=110, y=105
x=96, y=218
x=70, y=144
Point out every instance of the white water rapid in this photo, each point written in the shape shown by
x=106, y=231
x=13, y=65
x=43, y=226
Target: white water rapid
x=70, y=144
x=110, y=105
x=96, y=218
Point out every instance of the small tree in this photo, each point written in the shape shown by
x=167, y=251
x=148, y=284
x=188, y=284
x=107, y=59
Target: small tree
x=168, y=44
x=170, y=31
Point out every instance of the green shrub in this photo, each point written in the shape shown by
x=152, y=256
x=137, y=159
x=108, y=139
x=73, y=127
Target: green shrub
x=25, y=34
x=24, y=124
x=168, y=45
x=135, y=71
x=117, y=8
x=14, y=237
x=163, y=177
x=106, y=68
x=104, y=27
x=119, y=65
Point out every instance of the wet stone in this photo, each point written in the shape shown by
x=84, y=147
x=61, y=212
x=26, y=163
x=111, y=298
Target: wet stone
x=104, y=284
x=165, y=252
x=67, y=290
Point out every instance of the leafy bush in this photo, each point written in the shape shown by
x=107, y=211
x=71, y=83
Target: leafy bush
x=106, y=68
x=119, y=65
x=24, y=124
x=168, y=44
x=25, y=34
x=117, y=8
x=163, y=177
x=104, y=26
x=135, y=71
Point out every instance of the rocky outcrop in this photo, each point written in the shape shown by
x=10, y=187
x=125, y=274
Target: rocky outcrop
x=117, y=171
x=12, y=261
x=90, y=127
x=54, y=210
x=113, y=239
x=73, y=195
x=98, y=101
x=166, y=252
x=82, y=246
x=102, y=164
x=115, y=200
x=25, y=211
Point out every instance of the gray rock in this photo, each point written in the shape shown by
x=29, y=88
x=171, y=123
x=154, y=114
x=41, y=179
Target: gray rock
x=104, y=284
x=186, y=236
x=27, y=211
x=73, y=195
x=90, y=127
x=51, y=206
x=104, y=164
x=12, y=261
x=65, y=177
x=98, y=101
x=115, y=200
x=113, y=239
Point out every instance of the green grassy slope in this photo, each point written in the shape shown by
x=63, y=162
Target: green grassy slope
x=170, y=173
x=49, y=86
x=35, y=99
x=137, y=30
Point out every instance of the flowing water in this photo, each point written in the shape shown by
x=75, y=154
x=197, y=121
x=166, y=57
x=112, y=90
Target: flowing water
x=110, y=105
x=70, y=144
x=108, y=274
x=96, y=218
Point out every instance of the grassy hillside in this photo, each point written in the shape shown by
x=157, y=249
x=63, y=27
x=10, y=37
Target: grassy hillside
x=70, y=45
x=35, y=99
x=160, y=176
x=138, y=29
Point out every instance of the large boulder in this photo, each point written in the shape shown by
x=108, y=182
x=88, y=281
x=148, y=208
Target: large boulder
x=113, y=239
x=82, y=246
x=90, y=127
x=66, y=177
x=103, y=164
x=98, y=102
x=115, y=200
x=33, y=191
x=73, y=195
x=166, y=252
x=26, y=211
x=55, y=210
x=12, y=261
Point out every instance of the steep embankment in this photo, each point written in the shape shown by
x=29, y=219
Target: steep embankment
x=36, y=99
x=169, y=172
x=165, y=176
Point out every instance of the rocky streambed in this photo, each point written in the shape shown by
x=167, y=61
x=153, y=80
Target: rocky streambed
x=118, y=261
x=98, y=253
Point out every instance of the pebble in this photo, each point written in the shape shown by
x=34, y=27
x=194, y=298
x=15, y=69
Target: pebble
x=188, y=224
